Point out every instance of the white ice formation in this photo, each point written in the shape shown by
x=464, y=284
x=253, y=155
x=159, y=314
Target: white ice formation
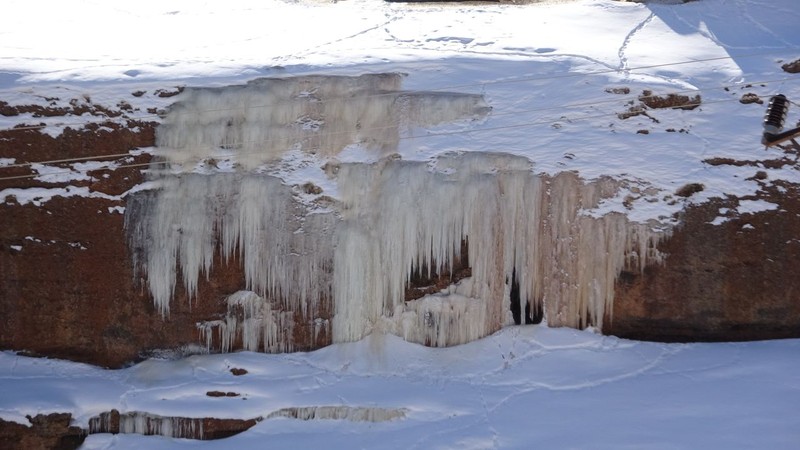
x=252, y=321
x=351, y=413
x=147, y=424
x=391, y=218
x=398, y=215
x=182, y=225
x=139, y=422
x=322, y=115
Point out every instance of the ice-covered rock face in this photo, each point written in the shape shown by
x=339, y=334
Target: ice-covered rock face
x=399, y=216
x=258, y=122
x=391, y=218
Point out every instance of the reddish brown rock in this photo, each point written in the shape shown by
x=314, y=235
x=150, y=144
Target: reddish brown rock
x=46, y=432
x=223, y=428
x=67, y=287
x=69, y=291
x=792, y=67
x=222, y=394
x=670, y=101
x=728, y=282
x=205, y=428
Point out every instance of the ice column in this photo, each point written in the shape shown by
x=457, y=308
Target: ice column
x=400, y=215
x=252, y=321
x=285, y=251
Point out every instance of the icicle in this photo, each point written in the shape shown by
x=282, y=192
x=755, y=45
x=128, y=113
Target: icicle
x=252, y=321
x=443, y=319
x=147, y=424
x=256, y=214
x=206, y=330
x=351, y=413
x=562, y=258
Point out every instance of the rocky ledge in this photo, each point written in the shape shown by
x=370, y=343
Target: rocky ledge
x=50, y=431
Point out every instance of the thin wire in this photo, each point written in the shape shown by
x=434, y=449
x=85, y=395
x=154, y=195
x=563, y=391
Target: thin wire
x=481, y=84
x=422, y=136
x=67, y=160
x=652, y=66
x=66, y=172
x=88, y=122
x=494, y=114
x=641, y=97
x=566, y=119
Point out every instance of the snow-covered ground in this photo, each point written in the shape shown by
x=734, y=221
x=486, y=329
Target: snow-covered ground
x=524, y=387
x=545, y=69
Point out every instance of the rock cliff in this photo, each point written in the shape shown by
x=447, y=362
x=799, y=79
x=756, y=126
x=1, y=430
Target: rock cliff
x=68, y=287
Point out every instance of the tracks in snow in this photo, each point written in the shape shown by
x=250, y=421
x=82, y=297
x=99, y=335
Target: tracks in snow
x=623, y=59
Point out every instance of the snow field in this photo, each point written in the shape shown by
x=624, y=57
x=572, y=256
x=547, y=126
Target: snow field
x=555, y=387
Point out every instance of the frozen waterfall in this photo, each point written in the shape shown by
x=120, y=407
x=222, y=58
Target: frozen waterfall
x=389, y=219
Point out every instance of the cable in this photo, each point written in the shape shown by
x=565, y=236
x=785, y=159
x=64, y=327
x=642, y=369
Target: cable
x=652, y=66
x=640, y=97
x=66, y=160
x=423, y=136
x=616, y=99
x=66, y=172
x=445, y=88
x=570, y=120
x=69, y=124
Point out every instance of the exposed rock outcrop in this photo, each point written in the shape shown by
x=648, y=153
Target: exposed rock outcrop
x=67, y=285
x=792, y=67
x=46, y=432
x=735, y=280
x=206, y=428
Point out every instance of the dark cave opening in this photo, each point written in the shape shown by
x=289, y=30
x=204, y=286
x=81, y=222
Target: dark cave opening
x=532, y=315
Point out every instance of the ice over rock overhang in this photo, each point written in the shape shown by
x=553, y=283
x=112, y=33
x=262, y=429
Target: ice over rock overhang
x=224, y=189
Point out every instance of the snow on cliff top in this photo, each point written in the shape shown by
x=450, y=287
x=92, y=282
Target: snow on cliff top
x=545, y=69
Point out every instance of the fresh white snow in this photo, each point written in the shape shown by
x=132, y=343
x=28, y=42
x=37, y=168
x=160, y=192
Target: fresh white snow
x=523, y=387
x=544, y=69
